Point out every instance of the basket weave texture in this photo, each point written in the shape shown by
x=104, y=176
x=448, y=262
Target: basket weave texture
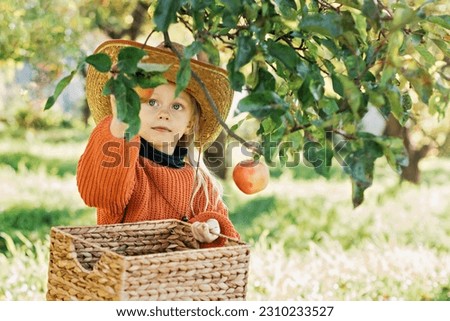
x=152, y=260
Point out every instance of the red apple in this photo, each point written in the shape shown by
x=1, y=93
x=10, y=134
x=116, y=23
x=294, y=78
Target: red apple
x=251, y=176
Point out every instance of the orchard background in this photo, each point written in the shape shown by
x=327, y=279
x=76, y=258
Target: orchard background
x=310, y=74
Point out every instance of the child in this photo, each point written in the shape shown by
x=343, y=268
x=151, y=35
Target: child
x=154, y=176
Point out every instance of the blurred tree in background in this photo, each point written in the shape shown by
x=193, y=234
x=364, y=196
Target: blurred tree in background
x=50, y=35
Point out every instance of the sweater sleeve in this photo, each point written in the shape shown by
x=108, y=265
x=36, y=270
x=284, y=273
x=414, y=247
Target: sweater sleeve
x=106, y=170
x=220, y=213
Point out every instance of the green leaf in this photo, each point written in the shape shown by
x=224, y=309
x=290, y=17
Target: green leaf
x=316, y=89
x=395, y=102
x=319, y=156
x=263, y=104
x=371, y=11
x=283, y=53
x=295, y=140
x=128, y=104
x=192, y=50
x=427, y=56
x=153, y=68
x=288, y=8
x=376, y=98
x=108, y=88
x=355, y=66
x=360, y=166
x=229, y=19
x=444, y=46
x=350, y=92
x=62, y=84
x=133, y=105
x=358, y=189
x=198, y=5
x=396, y=39
x=327, y=24
x=183, y=76
x=269, y=125
x=371, y=55
x=304, y=94
x=421, y=81
x=102, y=62
x=150, y=80
x=184, y=72
x=443, y=21
x=212, y=52
x=351, y=3
x=246, y=49
x=128, y=59
x=272, y=131
x=388, y=74
x=337, y=84
x=328, y=105
x=234, y=6
x=237, y=78
x=403, y=15
x=166, y=13
x=266, y=81
x=394, y=151
x=117, y=88
x=238, y=124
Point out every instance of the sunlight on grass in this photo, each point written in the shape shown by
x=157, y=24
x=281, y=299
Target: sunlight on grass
x=37, y=187
x=373, y=272
x=23, y=275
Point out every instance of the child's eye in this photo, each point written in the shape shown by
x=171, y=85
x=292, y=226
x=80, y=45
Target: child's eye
x=152, y=102
x=177, y=106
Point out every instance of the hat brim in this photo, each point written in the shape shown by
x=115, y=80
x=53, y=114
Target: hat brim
x=214, y=78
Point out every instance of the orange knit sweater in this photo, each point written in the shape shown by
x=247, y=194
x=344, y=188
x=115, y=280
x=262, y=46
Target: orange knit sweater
x=112, y=177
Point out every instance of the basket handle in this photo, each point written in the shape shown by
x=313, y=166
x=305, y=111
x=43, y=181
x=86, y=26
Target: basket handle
x=63, y=249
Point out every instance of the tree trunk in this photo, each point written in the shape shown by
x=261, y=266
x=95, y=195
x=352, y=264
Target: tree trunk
x=411, y=173
x=139, y=16
x=214, y=156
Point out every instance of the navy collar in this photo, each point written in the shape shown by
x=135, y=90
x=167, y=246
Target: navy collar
x=176, y=160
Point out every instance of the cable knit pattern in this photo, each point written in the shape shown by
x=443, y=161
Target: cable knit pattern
x=112, y=177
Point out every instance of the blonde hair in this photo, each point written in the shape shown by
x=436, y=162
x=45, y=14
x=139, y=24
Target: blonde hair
x=201, y=173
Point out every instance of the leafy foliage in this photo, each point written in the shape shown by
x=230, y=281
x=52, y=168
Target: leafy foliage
x=314, y=68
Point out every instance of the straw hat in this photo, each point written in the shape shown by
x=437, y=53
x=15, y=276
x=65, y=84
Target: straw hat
x=214, y=78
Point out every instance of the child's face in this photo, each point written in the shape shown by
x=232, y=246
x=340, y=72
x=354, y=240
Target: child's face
x=165, y=119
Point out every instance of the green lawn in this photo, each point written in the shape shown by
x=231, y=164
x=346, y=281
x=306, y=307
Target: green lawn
x=308, y=243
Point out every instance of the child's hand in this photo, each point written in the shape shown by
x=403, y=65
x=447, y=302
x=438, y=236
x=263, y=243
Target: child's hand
x=206, y=232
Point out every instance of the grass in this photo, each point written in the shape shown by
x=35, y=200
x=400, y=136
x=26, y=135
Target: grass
x=308, y=243
x=374, y=271
x=24, y=268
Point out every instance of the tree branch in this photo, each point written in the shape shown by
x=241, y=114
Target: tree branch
x=249, y=145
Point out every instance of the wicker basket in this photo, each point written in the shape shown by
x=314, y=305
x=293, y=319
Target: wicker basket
x=153, y=260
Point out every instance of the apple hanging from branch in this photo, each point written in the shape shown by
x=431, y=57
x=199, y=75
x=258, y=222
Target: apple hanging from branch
x=251, y=176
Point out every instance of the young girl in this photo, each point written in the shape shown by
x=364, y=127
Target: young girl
x=155, y=175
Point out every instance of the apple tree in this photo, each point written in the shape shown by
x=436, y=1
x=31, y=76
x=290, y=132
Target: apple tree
x=310, y=69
